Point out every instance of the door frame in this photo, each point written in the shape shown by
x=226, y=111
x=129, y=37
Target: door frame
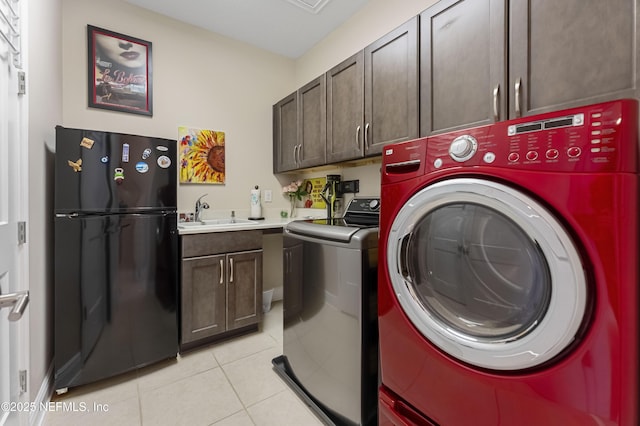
x=18, y=202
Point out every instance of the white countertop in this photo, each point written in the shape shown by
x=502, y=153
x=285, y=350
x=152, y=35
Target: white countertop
x=272, y=221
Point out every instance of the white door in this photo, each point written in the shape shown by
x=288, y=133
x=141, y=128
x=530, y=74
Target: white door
x=487, y=274
x=13, y=189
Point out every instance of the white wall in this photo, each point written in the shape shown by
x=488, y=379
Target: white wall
x=44, y=75
x=200, y=79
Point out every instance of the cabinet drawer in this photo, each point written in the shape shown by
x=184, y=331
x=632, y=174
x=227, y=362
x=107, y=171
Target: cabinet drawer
x=220, y=242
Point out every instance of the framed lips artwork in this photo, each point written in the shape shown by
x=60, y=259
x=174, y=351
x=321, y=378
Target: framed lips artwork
x=202, y=155
x=120, y=72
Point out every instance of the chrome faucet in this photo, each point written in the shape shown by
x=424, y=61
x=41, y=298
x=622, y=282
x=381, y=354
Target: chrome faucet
x=199, y=207
x=233, y=216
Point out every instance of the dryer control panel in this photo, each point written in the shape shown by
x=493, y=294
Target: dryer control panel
x=595, y=138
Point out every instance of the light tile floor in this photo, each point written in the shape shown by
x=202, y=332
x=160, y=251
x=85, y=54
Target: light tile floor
x=225, y=384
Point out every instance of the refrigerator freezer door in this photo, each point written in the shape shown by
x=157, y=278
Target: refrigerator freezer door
x=115, y=294
x=113, y=172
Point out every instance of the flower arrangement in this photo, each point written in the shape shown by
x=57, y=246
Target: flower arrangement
x=294, y=191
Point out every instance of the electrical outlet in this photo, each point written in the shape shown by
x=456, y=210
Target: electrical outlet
x=267, y=196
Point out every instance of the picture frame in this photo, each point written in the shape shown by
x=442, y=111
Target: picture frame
x=119, y=72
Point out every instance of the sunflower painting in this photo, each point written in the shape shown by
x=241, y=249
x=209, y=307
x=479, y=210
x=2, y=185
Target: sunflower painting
x=201, y=156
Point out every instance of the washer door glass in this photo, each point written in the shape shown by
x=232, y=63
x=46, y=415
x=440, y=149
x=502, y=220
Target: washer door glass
x=478, y=272
x=487, y=274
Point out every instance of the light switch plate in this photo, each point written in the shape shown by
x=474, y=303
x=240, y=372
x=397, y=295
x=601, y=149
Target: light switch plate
x=267, y=196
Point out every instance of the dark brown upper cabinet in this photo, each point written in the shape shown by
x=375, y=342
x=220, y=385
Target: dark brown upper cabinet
x=462, y=64
x=483, y=61
x=373, y=98
x=570, y=53
x=300, y=128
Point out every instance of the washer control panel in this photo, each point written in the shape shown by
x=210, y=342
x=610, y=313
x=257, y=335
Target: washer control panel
x=600, y=137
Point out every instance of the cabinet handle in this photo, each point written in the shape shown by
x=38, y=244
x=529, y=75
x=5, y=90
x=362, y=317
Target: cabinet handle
x=358, y=137
x=366, y=138
x=295, y=156
x=496, y=106
x=221, y=271
x=299, y=153
x=518, y=86
x=231, y=272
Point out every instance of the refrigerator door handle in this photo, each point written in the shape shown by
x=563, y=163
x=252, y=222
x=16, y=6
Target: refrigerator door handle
x=70, y=215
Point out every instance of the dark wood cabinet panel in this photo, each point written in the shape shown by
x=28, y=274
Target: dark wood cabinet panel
x=203, y=298
x=300, y=128
x=312, y=123
x=244, y=289
x=570, y=53
x=217, y=243
x=462, y=64
x=391, y=88
x=285, y=134
x=345, y=109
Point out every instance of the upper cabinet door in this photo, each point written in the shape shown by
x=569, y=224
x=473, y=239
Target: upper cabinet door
x=462, y=65
x=345, y=103
x=391, y=88
x=285, y=134
x=312, y=123
x=570, y=53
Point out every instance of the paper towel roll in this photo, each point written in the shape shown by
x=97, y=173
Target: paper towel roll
x=256, y=210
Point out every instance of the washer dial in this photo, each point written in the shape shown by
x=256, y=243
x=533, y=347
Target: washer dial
x=463, y=148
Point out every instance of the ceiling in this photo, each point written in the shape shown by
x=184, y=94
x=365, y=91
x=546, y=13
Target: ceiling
x=286, y=27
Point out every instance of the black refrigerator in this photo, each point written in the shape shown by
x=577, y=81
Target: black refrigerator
x=116, y=246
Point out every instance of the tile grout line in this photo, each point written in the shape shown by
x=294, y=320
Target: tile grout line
x=244, y=408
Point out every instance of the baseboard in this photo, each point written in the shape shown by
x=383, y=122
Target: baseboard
x=36, y=417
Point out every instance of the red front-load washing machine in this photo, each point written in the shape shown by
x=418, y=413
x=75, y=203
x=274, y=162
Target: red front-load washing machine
x=508, y=273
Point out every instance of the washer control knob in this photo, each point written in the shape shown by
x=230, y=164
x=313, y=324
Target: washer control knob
x=513, y=157
x=463, y=148
x=552, y=154
x=574, y=152
x=532, y=155
x=374, y=204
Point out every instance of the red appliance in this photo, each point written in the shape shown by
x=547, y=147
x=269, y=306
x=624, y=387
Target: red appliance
x=508, y=278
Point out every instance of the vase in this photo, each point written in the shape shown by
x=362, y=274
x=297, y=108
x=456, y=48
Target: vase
x=292, y=211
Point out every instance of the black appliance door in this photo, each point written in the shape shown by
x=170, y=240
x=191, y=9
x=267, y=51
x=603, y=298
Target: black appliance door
x=113, y=172
x=115, y=294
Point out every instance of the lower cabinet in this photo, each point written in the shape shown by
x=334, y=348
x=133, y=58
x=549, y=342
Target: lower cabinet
x=221, y=286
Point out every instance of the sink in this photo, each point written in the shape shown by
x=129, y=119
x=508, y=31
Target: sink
x=216, y=222
x=227, y=221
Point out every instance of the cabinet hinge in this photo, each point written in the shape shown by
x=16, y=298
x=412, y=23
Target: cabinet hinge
x=22, y=83
x=23, y=381
x=22, y=232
